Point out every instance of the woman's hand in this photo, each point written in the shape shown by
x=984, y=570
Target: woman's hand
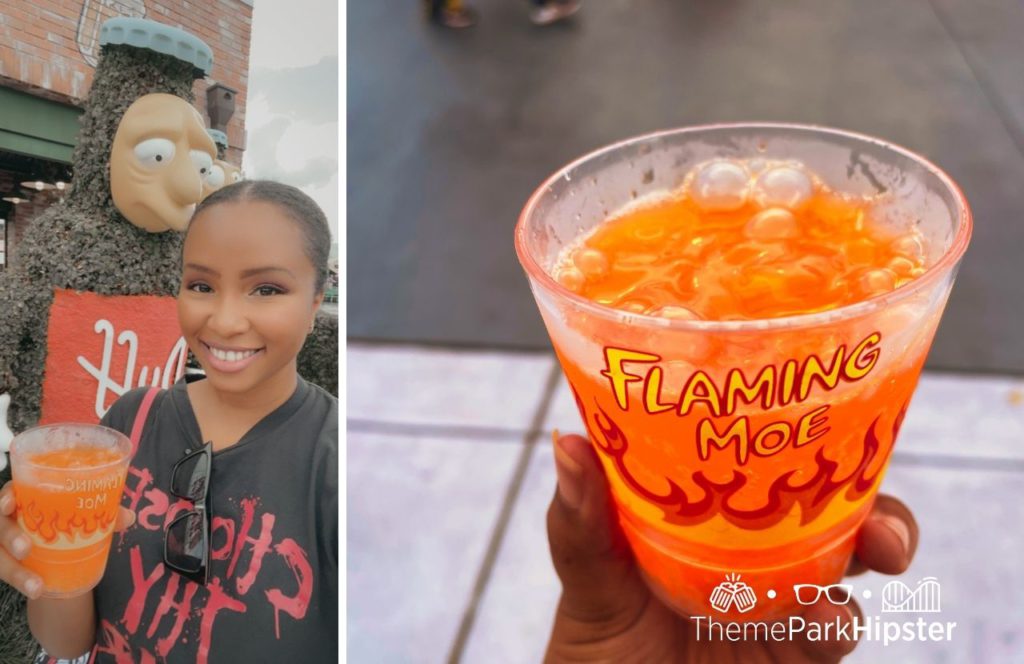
x=15, y=545
x=607, y=614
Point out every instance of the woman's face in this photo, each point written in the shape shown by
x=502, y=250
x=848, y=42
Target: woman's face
x=247, y=296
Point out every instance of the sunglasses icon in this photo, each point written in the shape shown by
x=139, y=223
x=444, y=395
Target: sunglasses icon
x=837, y=593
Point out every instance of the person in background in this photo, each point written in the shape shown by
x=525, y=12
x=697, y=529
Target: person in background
x=454, y=14
x=546, y=12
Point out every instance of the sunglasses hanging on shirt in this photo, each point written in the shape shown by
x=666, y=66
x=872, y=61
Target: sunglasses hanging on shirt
x=187, y=538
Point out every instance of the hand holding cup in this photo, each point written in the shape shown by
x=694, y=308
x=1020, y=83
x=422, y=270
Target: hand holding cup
x=15, y=545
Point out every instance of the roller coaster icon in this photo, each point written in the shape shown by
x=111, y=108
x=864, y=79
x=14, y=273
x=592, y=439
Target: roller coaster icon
x=897, y=597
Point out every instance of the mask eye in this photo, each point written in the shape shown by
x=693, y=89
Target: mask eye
x=202, y=161
x=237, y=176
x=215, y=178
x=154, y=153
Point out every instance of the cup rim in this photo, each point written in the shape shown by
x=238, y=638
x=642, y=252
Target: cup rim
x=123, y=440
x=926, y=281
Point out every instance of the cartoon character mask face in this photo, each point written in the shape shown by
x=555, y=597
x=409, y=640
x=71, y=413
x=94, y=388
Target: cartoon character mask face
x=160, y=158
x=221, y=175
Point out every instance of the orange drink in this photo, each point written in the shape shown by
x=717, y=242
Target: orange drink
x=742, y=313
x=68, y=480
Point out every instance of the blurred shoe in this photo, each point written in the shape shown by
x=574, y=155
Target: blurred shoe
x=457, y=19
x=554, y=11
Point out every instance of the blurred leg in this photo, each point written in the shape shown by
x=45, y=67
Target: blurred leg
x=546, y=12
x=450, y=13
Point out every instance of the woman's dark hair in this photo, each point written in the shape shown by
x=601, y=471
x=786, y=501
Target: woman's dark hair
x=297, y=205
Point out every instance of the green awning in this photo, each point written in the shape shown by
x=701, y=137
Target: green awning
x=37, y=127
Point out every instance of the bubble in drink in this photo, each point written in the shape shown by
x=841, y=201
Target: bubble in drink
x=877, y=282
x=632, y=306
x=901, y=266
x=674, y=312
x=756, y=165
x=591, y=262
x=720, y=186
x=571, y=278
x=684, y=282
x=772, y=224
x=910, y=247
x=783, y=186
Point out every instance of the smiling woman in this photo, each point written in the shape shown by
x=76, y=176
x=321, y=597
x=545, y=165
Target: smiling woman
x=252, y=279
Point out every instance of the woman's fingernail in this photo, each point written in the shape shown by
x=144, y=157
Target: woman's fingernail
x=899, y=528
x=20, y=546
x=5, y=503
x=32, y=586
x=570, y=475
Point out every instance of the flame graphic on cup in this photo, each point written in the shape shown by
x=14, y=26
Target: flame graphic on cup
x=49, y=524
x=679, y=508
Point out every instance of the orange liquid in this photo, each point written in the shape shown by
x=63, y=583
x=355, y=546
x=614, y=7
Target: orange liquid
x=68, y=513
x=780, y=499
x=740, y=265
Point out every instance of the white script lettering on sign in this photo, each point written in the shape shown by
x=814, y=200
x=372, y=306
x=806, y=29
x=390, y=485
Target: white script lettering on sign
x=173, y=369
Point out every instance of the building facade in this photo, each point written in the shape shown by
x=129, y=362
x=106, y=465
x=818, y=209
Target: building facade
x=48, y=51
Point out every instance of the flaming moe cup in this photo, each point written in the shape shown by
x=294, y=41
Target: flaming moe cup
x=743, y=455
x=68, y=480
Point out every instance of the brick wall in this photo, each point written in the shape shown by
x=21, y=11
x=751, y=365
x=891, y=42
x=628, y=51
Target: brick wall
x=19, y=217
x=46, y=46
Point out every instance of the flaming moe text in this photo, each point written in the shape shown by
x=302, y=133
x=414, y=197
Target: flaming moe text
x=792, y=382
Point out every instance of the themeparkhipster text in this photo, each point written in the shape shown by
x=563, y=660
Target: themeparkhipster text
x=870, y=628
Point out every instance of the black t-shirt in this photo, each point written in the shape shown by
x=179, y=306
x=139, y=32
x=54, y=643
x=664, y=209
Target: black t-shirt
x=272, y=591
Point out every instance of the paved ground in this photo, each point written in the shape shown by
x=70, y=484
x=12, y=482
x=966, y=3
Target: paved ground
x=448, y=486
x=449, y=133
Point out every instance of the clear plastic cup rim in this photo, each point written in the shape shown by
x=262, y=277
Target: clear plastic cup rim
x=927, y=280
x=123, y=442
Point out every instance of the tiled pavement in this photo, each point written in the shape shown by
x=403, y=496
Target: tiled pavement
x=450, y=473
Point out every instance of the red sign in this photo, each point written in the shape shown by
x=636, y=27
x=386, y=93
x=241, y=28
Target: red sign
x=98, y=347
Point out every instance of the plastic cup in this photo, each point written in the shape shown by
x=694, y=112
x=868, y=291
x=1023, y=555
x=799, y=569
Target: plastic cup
x=729, y=496
x=68, y=480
